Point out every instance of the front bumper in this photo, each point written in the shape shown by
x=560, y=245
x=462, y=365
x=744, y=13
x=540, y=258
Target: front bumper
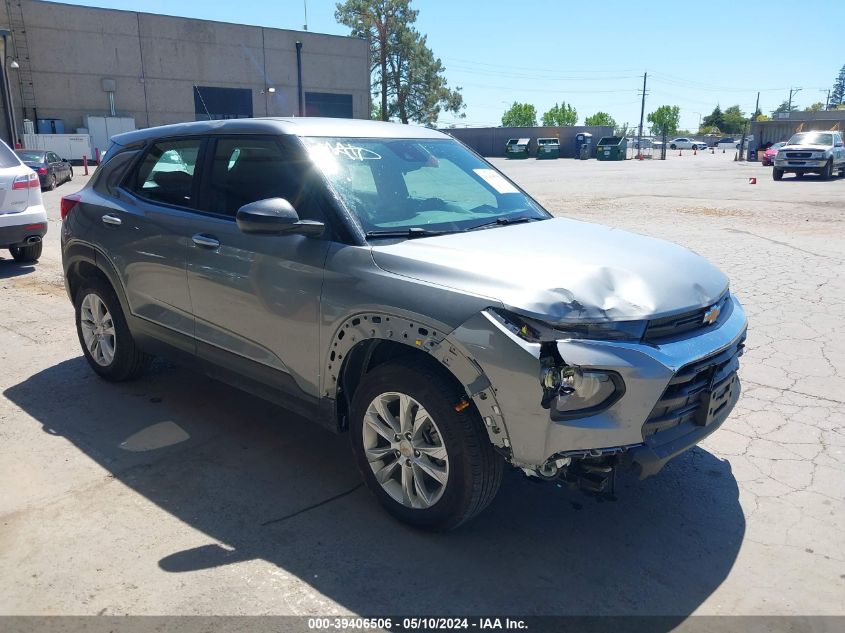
x=513, y=366
x=802, y=165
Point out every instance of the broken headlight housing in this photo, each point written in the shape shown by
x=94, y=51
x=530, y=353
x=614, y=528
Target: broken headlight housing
x=577, y=391
x=535, y=331
x=570, y=391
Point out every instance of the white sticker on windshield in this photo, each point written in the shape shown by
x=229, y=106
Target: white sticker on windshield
x=495, y=180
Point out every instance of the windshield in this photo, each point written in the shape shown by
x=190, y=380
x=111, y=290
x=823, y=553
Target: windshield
x=32, y=157
x=811, y=138
x=431, y=184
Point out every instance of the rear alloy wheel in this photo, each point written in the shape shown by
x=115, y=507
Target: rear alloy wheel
x=25, y=254
x=105, y=338
x=827, y=172
x=428, y=461
x=777, y=174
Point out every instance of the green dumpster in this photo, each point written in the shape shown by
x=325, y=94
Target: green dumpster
x=517, y=148
x=611, y=148
x=548, y=148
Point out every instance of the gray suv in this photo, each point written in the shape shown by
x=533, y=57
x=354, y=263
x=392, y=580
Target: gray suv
x=384, y=280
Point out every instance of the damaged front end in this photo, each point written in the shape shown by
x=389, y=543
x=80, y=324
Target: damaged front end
x=580, y=400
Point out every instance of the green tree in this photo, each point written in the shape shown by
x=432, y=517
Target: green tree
x=520, y=115
x=837, y=92
x=419, y=90
x=818, y=106
x=733, y=120
x=784, y=107
x=714, y=119
x=563, y=115
x=665, y=120
x=407, y=79
x=762, y=117
x=600, y=118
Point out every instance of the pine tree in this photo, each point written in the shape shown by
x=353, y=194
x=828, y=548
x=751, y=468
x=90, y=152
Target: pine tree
x=837, y=93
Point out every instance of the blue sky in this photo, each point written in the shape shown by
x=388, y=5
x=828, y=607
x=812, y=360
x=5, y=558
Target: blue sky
x=593, y=54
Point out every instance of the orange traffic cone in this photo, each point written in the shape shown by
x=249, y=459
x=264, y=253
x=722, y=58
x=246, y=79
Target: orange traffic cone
x=752, y=181
x=695, y=151
x=680, y=153
x=713, y=150
x=723, y=150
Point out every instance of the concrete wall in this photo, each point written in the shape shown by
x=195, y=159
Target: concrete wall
x=490, y=141
x=780, y=130
x=156, y=60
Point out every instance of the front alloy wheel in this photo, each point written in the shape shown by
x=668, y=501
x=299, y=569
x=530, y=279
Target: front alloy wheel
x=405, y=450
x=421, y=446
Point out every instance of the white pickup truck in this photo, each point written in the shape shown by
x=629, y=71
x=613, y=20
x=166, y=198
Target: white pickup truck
x=811, y=152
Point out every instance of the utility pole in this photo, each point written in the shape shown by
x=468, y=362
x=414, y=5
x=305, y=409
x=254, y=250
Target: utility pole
x=791, y=92
x=745, y=130
x=827, y=100
x=642, y=114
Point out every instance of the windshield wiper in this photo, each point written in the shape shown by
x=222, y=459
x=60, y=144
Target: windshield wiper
x=414, y=231
x=503, y=222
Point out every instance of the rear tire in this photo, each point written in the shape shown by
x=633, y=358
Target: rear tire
x=799, y=175
x=777, y=174
x=27, y=254
x=104, y=335
x=472, y=467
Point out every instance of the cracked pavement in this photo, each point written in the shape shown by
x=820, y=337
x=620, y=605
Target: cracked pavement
x=178, y=495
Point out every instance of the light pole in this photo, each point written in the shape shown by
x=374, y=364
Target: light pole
x=699, y=121
x=9, y=113
x=827, y=99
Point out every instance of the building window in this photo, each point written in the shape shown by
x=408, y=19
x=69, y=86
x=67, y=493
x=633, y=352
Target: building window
x=222, y=103
x=338, y=106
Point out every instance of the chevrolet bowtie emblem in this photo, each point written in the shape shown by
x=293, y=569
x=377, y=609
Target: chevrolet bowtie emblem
x=712, y=315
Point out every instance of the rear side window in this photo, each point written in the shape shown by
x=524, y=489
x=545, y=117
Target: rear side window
x=246, y=169
x=166, y=173
x=7, y=157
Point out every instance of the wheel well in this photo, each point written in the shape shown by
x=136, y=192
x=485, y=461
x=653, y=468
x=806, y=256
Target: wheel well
x=366, y=356
x=79, y=272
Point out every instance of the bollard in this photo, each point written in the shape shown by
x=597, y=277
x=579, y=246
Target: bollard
x=96, y=155
x=85, y=163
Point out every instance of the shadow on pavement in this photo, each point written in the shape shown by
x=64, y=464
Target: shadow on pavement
x=10, y=268
x=235, y=467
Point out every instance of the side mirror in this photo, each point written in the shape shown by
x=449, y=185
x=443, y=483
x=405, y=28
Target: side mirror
x=275, y=216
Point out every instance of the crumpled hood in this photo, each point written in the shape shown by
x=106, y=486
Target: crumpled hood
x=562, y=270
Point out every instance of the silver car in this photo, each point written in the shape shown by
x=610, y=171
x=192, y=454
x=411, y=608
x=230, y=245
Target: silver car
x=385, y=281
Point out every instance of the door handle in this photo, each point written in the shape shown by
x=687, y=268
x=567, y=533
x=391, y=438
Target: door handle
x=112, y=220
x=206, y=241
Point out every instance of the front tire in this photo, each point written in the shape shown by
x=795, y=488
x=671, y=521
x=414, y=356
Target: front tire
x=672, y=146
x=27, y=254
x=428, y=464
x=777, y=174
x=104, y=335
x=827, y=173
x=53, y=183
